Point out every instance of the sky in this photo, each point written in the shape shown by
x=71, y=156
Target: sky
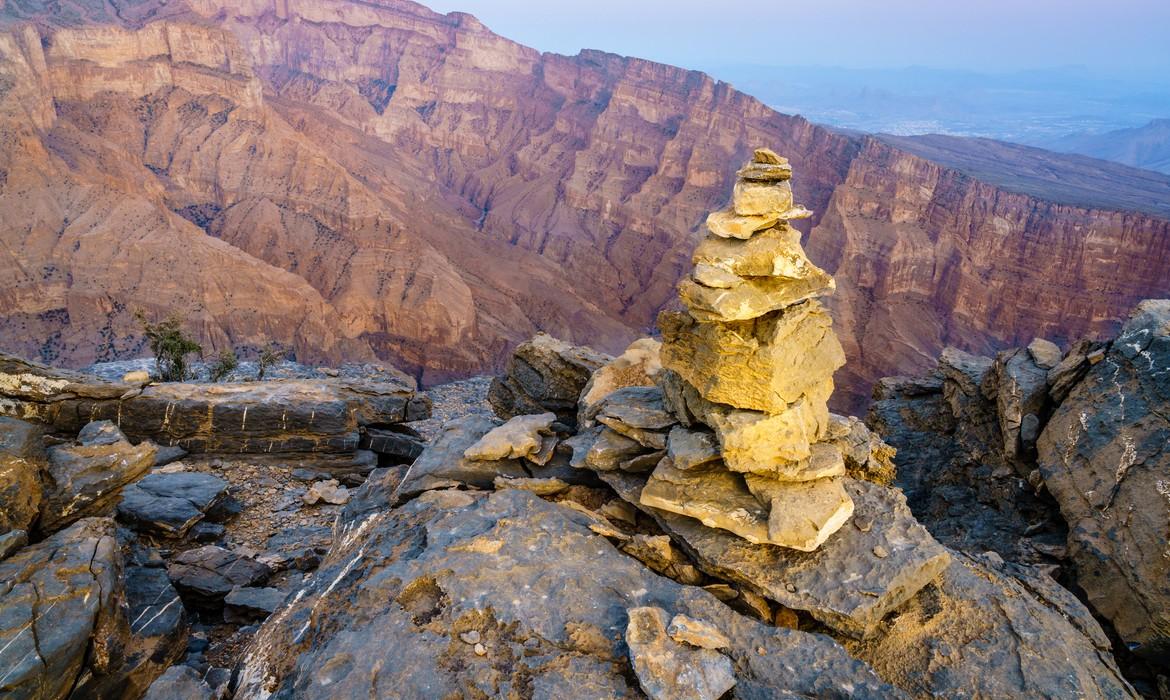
x=1122, y=37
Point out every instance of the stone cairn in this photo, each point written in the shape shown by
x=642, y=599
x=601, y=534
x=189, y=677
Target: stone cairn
x=753, y=359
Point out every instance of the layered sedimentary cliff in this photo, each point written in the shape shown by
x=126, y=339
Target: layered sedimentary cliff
x=353, y=179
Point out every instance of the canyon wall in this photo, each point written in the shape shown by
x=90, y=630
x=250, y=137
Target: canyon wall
x=370, y=178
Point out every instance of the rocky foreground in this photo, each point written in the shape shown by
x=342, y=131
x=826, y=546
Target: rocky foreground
x=685, y=520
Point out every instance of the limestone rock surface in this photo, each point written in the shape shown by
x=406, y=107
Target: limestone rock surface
x=448, y=563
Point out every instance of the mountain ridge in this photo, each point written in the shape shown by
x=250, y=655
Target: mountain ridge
x=386, y=138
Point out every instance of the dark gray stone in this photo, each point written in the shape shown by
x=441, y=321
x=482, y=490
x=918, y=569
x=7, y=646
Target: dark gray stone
x=169, y=504
x=168, y=454
x=1103, y=456
x=544, y=374
x=100, y=432
x=546, y=596
x=179, y=683
x=251, y=604
x=204, y=576
x=302, y=547
x=12, y=541
x=158, y=637
x=400, y=444
x=60, y=611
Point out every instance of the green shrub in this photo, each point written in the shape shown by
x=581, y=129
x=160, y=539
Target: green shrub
x=170, y=346
x=269, y=356
x=224, y=364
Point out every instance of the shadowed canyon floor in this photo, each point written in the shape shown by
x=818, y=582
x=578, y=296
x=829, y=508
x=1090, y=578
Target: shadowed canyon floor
x=373, y=179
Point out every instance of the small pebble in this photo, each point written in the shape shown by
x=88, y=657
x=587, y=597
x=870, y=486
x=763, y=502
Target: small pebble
x=480, y=650
x=762, y=651
x=471, y=637
x=880, y=552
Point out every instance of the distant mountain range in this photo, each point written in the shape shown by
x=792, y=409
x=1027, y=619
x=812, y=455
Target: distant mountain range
x=359, y=179
x=1142, y=147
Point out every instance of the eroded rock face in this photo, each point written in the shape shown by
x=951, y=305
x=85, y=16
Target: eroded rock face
x=289, y=416
x=426, y=575
x=544, y=374
x=22, y=466
x=986, y=629
x=85, y=480
x=1103, y=457
x=58, y=599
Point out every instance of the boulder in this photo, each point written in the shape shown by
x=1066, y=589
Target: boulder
x=878, y=561
x=22, y=466
x=989, y=630
x=1103, y=458
x=204, y=576
x=764, y=364
x=158, y=637
x=248, y=604
x=518, y=438
x=443, y=464
x=61, y=611
x=169, y=504
x=544, y=374
x=950, y=465
x=179, y=683
x=637, y=366
x=1065, y=375
x=671, y=670
x=85, y=480
x=386, y=613
x=1021, y=390
x=329, y=491
x=1044, y=353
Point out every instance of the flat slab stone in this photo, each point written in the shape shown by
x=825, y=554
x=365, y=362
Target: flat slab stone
x=728, y=224
x=519, y=437
x=204, y=576
x=169, y=504
x=744, y=298
x=710, y=494
x=775, y=252
x=849, y=584
x=802, y=515
x=270, y=417
x=691, y=448
x=764, y=364
x=443, y=463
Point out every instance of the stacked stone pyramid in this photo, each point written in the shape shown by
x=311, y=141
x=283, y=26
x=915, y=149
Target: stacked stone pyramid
x=752, y=358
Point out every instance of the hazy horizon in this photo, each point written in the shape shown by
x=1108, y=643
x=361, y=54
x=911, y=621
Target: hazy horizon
x=994, y=36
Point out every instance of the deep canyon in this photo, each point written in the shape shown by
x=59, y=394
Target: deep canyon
x=371, y=179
